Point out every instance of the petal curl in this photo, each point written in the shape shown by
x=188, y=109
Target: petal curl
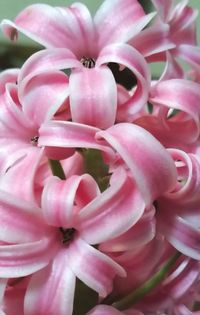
x=119, y=20
x=92, y=267
x=129, y=57
x=77, y=190
x=150, y=164
x=95, y=103
x=113, y=212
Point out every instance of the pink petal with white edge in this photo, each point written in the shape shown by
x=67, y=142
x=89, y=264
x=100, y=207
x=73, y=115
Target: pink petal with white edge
x=113, y=212
x=8, y=76
x=104, y=310
x=138, y=235
x=80, y=23
x=96, y=102
x=70, y=135
x=48, y=60
x=24, y=259
x=152, y=40
x=46, y=25
x=77, y=190
x=119, y=20
x=183, y=95
x=28, y=224
x=51, y=290
x=92, y=267
x=163, y=7
x=129, y=57
x=150, y=164
x=182, y=234
x=43, y=95
x=21, y=176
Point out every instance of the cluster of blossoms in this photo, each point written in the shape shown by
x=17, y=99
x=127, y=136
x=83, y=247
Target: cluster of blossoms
x=100, y=184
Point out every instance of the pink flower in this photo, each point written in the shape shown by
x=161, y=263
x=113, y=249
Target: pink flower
x=23, y=108
x=86, y=46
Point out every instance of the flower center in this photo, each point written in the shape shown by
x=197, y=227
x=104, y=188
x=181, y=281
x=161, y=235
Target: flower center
x=88, y=62
x=67, y=234
x=34, y=140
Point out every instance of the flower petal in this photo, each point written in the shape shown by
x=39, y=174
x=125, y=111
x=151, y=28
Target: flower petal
x=104, y=310
x=77, y=190
x=43, y=95
x=182, y=95
x=133, y=60
x=163, y=7
x=119, y=20
x=21, y=176
x=150, y=164
x=92, y=267
x=51, y=290
x=95, y=103
x=70, y=135
x=28, y=223
x=24, y=259
x=113, y=212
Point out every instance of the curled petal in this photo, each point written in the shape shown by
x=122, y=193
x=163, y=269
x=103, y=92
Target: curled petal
x=129, y=57
x=43, y=95
x=28, y=224
x=182, y=95
x=48, y=60
x=178, y=230
x=150, y=164
x=21, y=176
x=51, y=290
x=121, y=204
x=92, y=267
x=70, y=135
x=153, y=40
x=137, y=236
x=24, y=259
x=77, y=190
x=96, y=102
x=120, y=20
x=8, y=76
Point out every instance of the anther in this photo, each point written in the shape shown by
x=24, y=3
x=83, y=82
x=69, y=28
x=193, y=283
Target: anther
x=88, y=62
x=34, y=140
x=67, y=234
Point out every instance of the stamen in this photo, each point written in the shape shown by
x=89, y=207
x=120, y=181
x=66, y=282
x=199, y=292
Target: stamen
x=34, y=140
x=88, y=62
x=67, y=234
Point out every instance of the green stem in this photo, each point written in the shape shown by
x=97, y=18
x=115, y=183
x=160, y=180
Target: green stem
x=150, y=284
x=57, y=169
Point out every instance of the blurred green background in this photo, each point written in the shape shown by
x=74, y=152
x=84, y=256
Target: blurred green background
x=14, y=54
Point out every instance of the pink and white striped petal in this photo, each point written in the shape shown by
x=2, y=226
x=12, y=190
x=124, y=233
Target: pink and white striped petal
x=182, y=95
x=120, y=20
x=153, y=40
x=113, y=212
x=137, y=236
x=95, y=103
x=20, y=260
x=150, y=164
x=73, y=193
x=43, y=95
x=127, y=56
x=21, y=176
x=51, y=290
x=8, y=76
x=70, y=135
x=27, y=225
x=92, y=267
x=48, y=60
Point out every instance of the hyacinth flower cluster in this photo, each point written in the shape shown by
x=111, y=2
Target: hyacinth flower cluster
x=99, y=183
